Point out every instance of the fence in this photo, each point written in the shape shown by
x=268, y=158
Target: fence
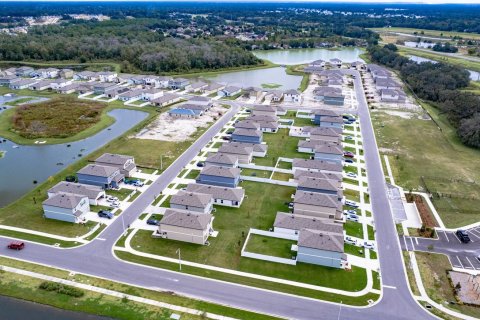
x=271, y=181
x=265, y=257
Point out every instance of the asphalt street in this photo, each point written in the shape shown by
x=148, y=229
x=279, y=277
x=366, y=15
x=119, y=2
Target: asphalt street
x=96, y=258
x=461, y=255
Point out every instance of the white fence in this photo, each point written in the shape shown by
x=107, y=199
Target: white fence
x=271, y=181
x=265, y=257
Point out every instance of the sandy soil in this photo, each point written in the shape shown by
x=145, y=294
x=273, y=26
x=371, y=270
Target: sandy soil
x=166, y=128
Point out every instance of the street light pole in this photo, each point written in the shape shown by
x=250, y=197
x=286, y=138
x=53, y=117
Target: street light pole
x=179, y=259
x=161, y=162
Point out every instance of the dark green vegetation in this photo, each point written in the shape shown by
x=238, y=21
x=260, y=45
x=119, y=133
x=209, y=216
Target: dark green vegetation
x=56, y=118
x=61, y=288
x=440, y=85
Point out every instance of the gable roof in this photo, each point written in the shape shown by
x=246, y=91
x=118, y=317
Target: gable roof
x=317, y=165
x=111, y=158
x=322, y=240
x=227, y=172
x=186, y=219
x=322, y=131
x=299, y=222
x=320, y=175
x=247, y=132
x=319, y=184
x=98, y=170
x=223, y=158
x=329, y=149
x=64, y=200
x=194, y=199
x=90, y=191
x=316, y=199
x=232, y=194
x=235, y=148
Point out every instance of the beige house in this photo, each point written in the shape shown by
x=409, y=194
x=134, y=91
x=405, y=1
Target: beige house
x=244, y=153
x=318, y=205
x=186, y=226
x=192, y=201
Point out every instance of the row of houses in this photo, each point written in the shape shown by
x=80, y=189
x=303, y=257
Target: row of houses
x=330, y=86
x=320, y=65
x=257, y=93
x=70, y=201
x=388, y=89
x=194, y=108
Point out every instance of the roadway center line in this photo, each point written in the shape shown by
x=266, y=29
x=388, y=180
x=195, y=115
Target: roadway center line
x=101, y=239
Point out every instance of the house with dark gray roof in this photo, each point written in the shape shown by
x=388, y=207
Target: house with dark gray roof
x=259, y=149
x=292, y=224
x=66, y=207
x=192, y=201
x=167, y=99
x=229, y=91
x=323, y=113
x=263, y=118
x=308, y=146
x=329, y=95
x=329, y=152
x=327, y=186
x=93, y=193
x=247, y=135
x=179, y=83
x=219, y=176
x=320, y=205
x=266, y=110
x=326, y=133
x=98, y=175
x=186, y=226
x=316, y=165
x=331, y=122
x=22, y=84
x=247, y=124
x=325, y=248
x=230, y=197
x=125, y=163
x=243, y=152
x=392, y=95
x=222, y=160
x=321, y=175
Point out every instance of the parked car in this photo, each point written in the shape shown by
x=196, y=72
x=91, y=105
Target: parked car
x=131, y=181
x=115, y=204
x=16, y=245
x=200, y=164
x=348, y=138
x=350, y=240
x=105, y=214
x=351, y=175
x=153, y=222
x=348, y=154
x=368, y=245
x=352, y=217
x=463, y=236
x=348, y=161
x=71, y=178
x=139, y=184
x=226, y=138
x=351, y=203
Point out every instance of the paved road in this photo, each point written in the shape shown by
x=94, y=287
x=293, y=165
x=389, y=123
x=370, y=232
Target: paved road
x=96, y=258
x=461, y=255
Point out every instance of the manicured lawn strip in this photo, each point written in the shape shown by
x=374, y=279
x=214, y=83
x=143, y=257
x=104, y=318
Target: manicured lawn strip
x=414, y=152
x=353, y=229
x=282, y=176
x=351, y=169
x=255, y=173
x=433, y=270
x=120, y=194
x=349, y=128
x=257, y=211
x=36, y=238
x=356, y=301
x=351, y=181
x=97, y=232
x=193, y=174
x=376, y=280
x=353, y=195
x=353, y=150
x=284, y=165
x=354, y=250
x=135, y=196
x=166, y=203
x=270, y=246
x=410, y=275
x=371, y=233
x=303, y=122
x=107, y=306
x=217, y=145
x=373, y=254
x=280, y=144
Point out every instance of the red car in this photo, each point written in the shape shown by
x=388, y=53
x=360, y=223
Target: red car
x=348, y=154
x=16, y=245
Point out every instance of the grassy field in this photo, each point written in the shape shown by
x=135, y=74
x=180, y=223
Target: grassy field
x=233, y=224
x=430, y=33
x=431, y=152
x=255, y=173
x=276, y=247
x=280, y=144
x=353, y=229
x=467, y=64
x=104, y=305
x=433, y=270
x=297, y=70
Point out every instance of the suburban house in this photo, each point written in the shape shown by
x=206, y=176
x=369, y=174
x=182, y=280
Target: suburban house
x=48, y=73
x=387, y=83
x=263, y=126
x=247, y=135
x=22, y=84
x=115, y=92
x=71, y=88
x=308, y=146
x=247, y=124
x=85, y=76
x=319, y=175
x=66, y=73
x=274, y=95
x=313, y=69
x=259, y=149
x=128, y=95
x=126, y=164
x=357, y=65
x=8, y=80
x=253, y=92
x=266, y=110
x=327, y=186
x=202, y=101
x=392, y=95
x=320, y=247
x=335, y=62
x=66, y=207
x=107, y=76
x=316, y=165
x=166, y=99
x=93, y=193
x=263, y=118
x=222, y=160
x=219, y=176
x=60, y=83
x=292, y=224
x=230, y=197
x=41, y=85
x=178, y=83
x=331, y=122
x=198, y=86
x=329, y=152
x=320, y=205
x=318, y=63
x=291, y=95
x=151, y=94
x=103, y=87
x=104, y=176
x=186, y=226
x=323, y=113
x=184, y=113
x=229, y=91
x=326, y=134
x=192, y=201
x=24, y=71
x=329, y=95
x=242, y=152
x=201, y=108
x=213, y=87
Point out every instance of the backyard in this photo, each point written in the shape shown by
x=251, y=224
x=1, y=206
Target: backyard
x=270, y=246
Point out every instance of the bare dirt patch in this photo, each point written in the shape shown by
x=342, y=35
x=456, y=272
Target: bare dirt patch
x=166, y=128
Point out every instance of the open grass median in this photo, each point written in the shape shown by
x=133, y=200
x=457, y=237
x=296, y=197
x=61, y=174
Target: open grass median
x=40, y=239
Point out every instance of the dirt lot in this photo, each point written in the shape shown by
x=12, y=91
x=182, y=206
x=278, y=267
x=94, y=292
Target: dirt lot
x=166, y=128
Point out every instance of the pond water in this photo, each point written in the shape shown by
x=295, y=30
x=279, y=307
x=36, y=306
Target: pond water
x=474, y=75
x=19, y=309
x=301, y=56
x=21, y=165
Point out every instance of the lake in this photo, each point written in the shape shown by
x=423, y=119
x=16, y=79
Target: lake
x=277, y=75
x=20, y=166
x=302, y=56
x=474, y=75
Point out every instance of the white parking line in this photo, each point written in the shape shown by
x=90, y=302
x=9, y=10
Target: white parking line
x=445, y=234
x=416, y=241
x=101, y=239
x=456, y=237
x=470, y=262
x=459, y=261
x=475, y=232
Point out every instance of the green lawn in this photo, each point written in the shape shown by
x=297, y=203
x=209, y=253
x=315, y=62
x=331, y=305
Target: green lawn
x=280, y=144
x=255, y=173
x=282, y=176
x=371, y=233
x=351, y=181
x=45, y=240
x=303, y=122
x=457, y=61
x=430, y=33
x=193, y=174
x=429, y=152
x=353, y=195
x=354, y=250
x=353, y=229
x=270, y=246
x=120, y=194
x=257, y=211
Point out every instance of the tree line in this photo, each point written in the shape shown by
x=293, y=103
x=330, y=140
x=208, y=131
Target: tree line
x=440, y=84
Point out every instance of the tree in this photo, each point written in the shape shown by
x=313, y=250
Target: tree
x=469, y=131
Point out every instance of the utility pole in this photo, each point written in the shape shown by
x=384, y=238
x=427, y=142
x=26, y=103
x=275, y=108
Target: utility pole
x=161, y=163
x=179, y=259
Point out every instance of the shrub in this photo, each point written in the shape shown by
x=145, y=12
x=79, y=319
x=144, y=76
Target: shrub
x=62, y=289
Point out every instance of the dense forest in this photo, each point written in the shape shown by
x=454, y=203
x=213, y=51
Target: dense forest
x=440, y=84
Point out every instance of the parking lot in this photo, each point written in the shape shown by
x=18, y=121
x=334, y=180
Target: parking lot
x=461, y=255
